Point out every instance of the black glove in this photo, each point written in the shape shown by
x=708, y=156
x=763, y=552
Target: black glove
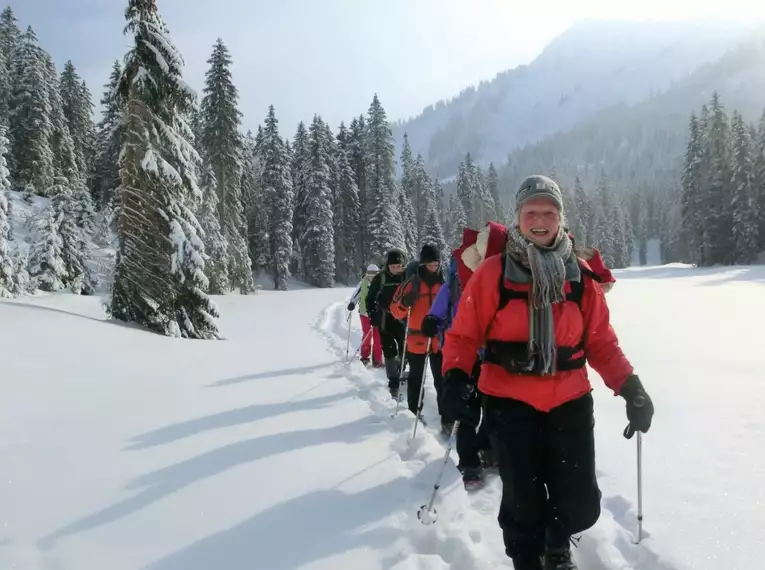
x=429, y=325
x=351, y=306
x=409, y=298
x=375, y=319
x=639, y=407
x=459, y=397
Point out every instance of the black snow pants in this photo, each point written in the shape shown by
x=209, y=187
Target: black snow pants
x=416, y=370
x=547, y=466
x=392, y=333
x=469, y=440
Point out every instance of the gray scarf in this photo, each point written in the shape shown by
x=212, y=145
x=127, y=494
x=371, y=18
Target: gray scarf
x=550, y=268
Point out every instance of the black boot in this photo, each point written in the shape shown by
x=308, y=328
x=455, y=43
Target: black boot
x=528, y=563
x=391, y=371
x=559, y=559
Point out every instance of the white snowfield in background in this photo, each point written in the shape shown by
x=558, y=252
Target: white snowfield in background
x=124, y=450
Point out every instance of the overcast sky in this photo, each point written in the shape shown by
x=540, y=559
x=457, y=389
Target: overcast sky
x=331, y=56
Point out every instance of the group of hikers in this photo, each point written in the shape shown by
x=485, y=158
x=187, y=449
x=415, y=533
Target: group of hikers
x=507, y=333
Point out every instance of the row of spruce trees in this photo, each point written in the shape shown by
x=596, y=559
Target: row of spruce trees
x=723, y=188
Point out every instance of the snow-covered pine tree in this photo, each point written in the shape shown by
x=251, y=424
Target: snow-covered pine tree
x=6, y=259
x=159, y=275
x=432, y=232
x=10, y=34
x=31, y=129
x=465, y=190
x=408, y=222
x=221, y=146
x=743, y=204
x=5, y=94
x=77, y=106
x=758, y=182
x=384, y=221
x=718, y=216
x=319, y=252
x=216, y=246
x=583, y=226
x=255, y=208
x=412, y=186
x=458, y=221
x=692, y=194
x=492, y=186
x=74, y=249
x=277, y=187
x=300, y=167
x=348, y=266
x=604, y=226
x=106, y=172
x=46, y=263
x=357, y=160
x=484, y=206
x=441, y=204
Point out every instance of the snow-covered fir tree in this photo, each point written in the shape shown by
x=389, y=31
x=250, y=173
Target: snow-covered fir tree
x=300, y=169
x=407, y=220
x=758, y=182
x=106, y=173
x=10, y=42
x=692, y=194
x=46, y=262
x=432, y=232
x=466, y=191
x=6, y=259
x=221, y=146
x=77, y=106
x=10, y=34
x=582, y=225
x=319, y=248
x=277, y=188
x=457, y=221
x=160, y=270
x=253, y=199
x=492, y=187
x=74, y=247
x=414, y=187
x=348, y=262
x=384, y=221
x=357, y=159
x=216, y=246
x=718, y=198
x=31, y=128
x=743, y=203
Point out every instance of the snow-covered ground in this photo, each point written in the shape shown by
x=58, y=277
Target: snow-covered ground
x=129, y=451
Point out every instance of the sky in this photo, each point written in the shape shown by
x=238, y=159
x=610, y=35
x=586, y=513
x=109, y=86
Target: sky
x=331, y=56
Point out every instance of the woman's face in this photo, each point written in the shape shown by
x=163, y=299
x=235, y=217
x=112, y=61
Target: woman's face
x=539, y=221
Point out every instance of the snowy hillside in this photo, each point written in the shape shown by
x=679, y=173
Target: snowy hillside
x=127, y=450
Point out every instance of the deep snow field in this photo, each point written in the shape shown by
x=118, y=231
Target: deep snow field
x=124, y=450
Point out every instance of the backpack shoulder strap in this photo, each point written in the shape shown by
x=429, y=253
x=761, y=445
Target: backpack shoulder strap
x=505, y=294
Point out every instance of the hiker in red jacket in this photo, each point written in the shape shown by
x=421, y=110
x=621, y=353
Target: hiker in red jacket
x=541, y=317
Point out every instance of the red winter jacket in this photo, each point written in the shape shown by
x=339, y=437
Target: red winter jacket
x=478, y=321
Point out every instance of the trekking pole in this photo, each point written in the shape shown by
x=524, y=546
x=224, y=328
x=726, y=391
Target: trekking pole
x=639, y=403
x=363, y=340
x=403, y=359
x=348, y=342
x=426, y=513
x=422, y=388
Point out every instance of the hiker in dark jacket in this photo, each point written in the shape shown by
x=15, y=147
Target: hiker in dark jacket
x=378, y=301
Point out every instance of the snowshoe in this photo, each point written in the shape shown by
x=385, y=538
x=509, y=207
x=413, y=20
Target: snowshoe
x=559, y=559
x=472, y=478
x=393, y=386
x=365, y=362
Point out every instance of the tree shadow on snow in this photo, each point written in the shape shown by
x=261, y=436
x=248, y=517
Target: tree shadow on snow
x=296, y=532
x=273, y=374
x=228, y=418
x=55, y=310
x=157, y=485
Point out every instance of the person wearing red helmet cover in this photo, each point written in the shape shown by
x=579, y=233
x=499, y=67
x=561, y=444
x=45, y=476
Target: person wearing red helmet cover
x=540, y=316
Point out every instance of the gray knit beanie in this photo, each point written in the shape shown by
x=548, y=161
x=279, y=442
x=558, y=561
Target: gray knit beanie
x=538, y=186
